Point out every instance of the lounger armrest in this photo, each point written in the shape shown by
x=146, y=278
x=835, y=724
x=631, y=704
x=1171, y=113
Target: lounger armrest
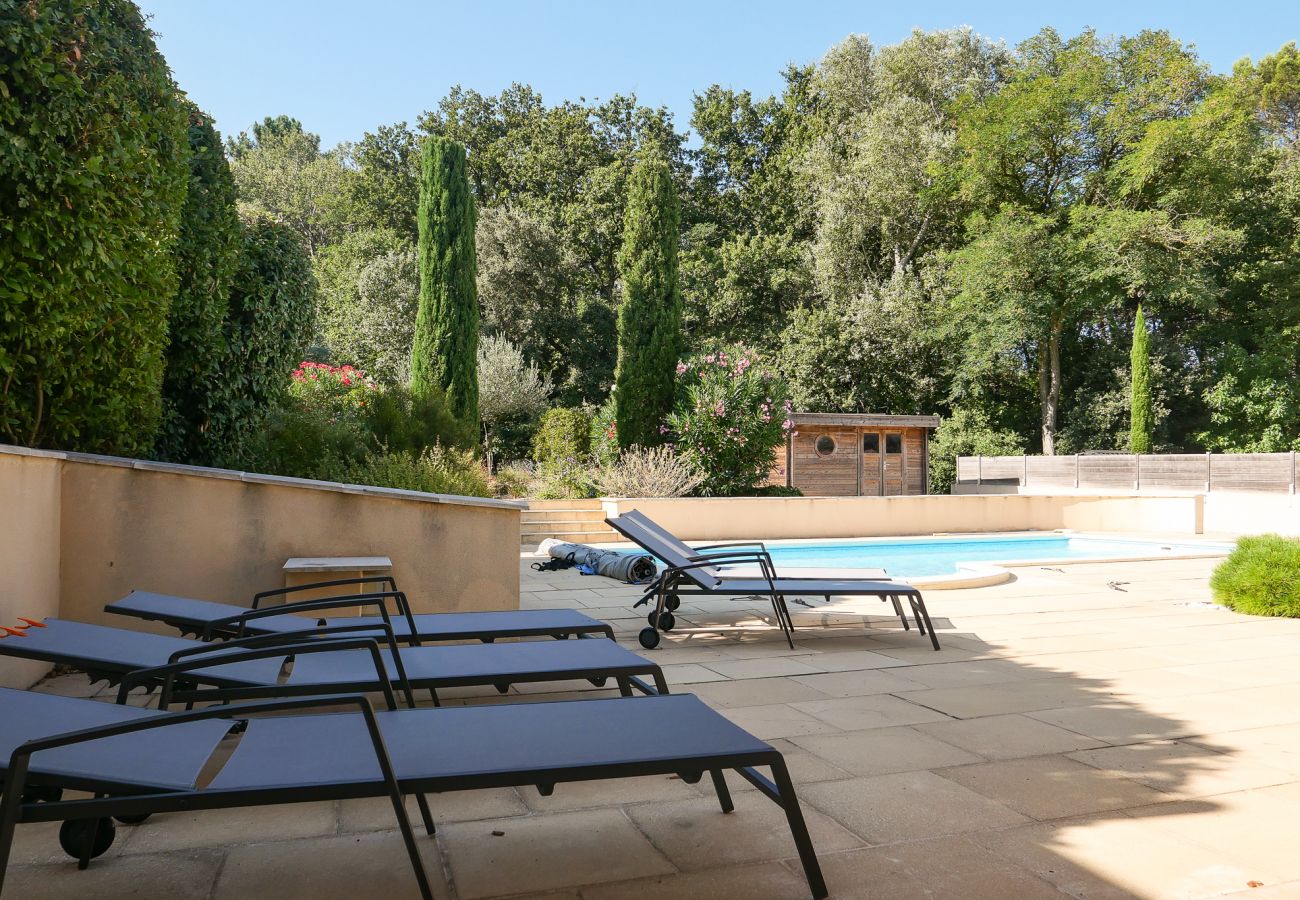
x=317, y=585
x=764, y=560
x=385, y=635
x=759, y=544
x=167, y=673
x=352, y=601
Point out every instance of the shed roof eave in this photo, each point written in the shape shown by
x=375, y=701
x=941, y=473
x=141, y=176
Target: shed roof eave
x=864, y=419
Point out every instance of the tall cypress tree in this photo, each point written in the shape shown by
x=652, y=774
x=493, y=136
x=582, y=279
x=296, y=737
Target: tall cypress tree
x=1141, y=417
x=444, y=354
x=650, y=318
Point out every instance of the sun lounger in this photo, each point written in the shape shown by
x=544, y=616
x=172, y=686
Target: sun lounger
x=333, y=659
x=139, y=762
x=701, y=571
x=210, y=619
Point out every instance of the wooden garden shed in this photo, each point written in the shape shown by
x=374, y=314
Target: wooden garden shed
x=856, y=454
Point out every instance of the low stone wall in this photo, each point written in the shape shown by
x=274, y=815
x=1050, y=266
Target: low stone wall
x=734, y=518
x=80, y=531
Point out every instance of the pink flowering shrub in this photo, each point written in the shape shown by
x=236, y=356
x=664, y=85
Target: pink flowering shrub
x=339, y=393
x=731, y=414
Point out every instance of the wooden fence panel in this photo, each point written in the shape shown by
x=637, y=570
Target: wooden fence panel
x=1251, y=472
x=1109, y=471
x=1272, y=472
x=1174, y=471
x=1050, y=471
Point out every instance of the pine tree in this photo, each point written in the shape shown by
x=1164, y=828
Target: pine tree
x=649, y=320
x=1141, y=424
x=444, y=353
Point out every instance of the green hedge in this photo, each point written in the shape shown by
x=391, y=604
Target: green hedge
x=1261, y=577
x=92, y=180
x=268, y=327
x=207, y=257
x=562, y=434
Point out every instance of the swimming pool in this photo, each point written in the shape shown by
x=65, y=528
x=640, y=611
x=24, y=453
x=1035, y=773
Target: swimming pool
x=924, y=557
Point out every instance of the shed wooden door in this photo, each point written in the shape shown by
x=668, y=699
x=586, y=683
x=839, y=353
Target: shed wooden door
x=894, y=467
x=870, y=480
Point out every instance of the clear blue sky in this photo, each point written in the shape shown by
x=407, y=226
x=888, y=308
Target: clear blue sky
x=344, y=68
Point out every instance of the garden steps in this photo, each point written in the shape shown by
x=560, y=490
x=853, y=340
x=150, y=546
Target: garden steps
x=574, y=521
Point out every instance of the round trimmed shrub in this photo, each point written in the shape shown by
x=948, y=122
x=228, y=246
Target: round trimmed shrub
x=93, y=174
x=1261, y=577
x=562, y=434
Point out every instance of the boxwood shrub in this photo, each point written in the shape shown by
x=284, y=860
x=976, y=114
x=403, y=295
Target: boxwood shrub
x=1261, y=577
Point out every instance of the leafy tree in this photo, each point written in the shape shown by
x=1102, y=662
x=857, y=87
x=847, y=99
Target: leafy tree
x=649, y=321
x=509, y=388
x=872, y=353
x=268, y=326
x=93, y=170
x=444, y=351
x=1061, y=232
x=384, y=192
x=281, y=173
x=369, y=292
x=207, y=256
x=967, y=432
x=1141, y=419
x=530, y=290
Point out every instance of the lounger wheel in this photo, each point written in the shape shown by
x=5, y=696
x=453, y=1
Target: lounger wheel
x=672, y=601
x=649, y=638
x=133, y=820
x=598, y=682
x=664, y=621
x=75, y=833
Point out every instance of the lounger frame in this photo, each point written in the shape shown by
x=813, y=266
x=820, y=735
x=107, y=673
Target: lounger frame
x=681, y=576
x=115, y=799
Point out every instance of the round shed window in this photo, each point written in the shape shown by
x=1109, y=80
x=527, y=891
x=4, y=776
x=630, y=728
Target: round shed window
x=824, y=445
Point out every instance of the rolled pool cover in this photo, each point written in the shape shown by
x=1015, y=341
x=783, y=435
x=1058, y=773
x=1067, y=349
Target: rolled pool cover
x=632, y=568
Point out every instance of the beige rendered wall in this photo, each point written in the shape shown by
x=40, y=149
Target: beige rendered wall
x=1248, y=513
x=78, y=531
x=29, y=550
x=225, y=536
x=815, y=517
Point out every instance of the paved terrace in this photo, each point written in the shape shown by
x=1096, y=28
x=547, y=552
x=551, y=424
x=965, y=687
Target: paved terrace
x=1089, y=731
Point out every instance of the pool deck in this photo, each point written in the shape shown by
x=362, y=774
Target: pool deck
x=1090, y=730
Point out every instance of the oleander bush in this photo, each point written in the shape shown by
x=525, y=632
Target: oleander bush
x=93, y=173
x=731, y=414
x=1261, y=577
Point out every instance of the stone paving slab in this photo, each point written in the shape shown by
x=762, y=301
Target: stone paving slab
x=1087, y=731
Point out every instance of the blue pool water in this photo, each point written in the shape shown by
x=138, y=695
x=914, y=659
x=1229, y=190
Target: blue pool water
x=939, y=556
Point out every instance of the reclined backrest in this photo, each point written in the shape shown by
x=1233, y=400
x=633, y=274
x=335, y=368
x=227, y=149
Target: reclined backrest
x=662, y=543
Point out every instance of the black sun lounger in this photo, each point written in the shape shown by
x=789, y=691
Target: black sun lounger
x=138, y=762
x=208, y=619
x=699, y=571
x=347, y=662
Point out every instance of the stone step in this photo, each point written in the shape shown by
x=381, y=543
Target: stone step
x=531, y=516
x=565, y=504
x=566, y=525
x=572, y=537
